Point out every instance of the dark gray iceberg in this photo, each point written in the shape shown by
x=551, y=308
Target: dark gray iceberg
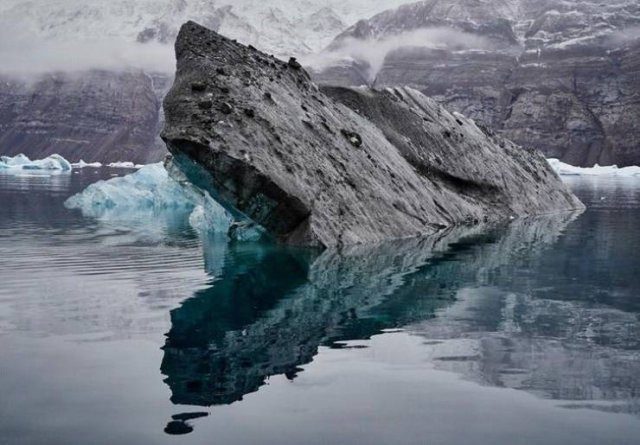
x=339, y=166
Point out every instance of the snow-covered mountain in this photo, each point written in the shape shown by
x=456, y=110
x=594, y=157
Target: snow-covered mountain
x=533, y=22
x=282, y=27
x=559, y=75
x=85, y=78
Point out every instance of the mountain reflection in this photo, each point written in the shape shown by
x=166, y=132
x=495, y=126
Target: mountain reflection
x=271, y=307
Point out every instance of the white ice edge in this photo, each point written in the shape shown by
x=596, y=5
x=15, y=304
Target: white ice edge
x=54, y=163
x=20, y=163
x=602, y=171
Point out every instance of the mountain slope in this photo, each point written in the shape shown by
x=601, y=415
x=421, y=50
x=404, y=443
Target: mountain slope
x=282, y=27
x=86, y=78
x=560, y=76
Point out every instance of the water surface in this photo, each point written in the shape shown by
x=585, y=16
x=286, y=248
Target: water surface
x=137, y=330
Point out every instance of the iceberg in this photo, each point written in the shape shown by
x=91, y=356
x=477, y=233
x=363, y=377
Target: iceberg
x=20, y=163
x=147, y=194
x=124, y=165
x=55, y=162
x=612, y=170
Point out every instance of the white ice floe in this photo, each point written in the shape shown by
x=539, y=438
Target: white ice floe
x=612, y=170
x=125, y=164
x=82, y=164
x=20, y=163
x=54, y=163
x=147, y=193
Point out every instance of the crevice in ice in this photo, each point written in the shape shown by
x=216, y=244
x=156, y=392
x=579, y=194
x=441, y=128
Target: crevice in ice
x=191, y=176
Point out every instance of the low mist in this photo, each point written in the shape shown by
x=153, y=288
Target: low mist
x=24, y=56
x=374, y=52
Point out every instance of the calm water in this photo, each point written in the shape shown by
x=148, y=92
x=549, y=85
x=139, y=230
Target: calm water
x=138, y=332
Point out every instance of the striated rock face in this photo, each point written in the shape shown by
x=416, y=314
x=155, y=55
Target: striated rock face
x=338, y=166
x=96, y=116
x=562, y=77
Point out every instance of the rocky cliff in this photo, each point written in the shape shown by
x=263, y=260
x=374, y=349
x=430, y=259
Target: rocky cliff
x=559, y=76
x=95, y=115
x=338, y=166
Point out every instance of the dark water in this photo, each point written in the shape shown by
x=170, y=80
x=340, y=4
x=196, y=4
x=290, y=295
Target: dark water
x=138, y=332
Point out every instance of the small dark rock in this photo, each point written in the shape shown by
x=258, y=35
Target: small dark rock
x=267, y=95
x=226, y=108
x=459, y=122
x=293, y=63
x=446, y=133
x=178, y=428
x=353, y=138
x=249, y=112
x=225, y=90
x=205, y=104
x=220, y=71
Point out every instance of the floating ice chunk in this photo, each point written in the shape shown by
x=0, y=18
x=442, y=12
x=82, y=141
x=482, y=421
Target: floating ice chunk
x=20, y=162
x=125, y=165
x=146, y=194
x=152, y=194
x=148, y=188
x=612, y=170
x=16, y=161
x=82, y=164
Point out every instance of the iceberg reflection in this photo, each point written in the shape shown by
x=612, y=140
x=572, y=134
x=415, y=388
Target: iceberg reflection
x=271, y=308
